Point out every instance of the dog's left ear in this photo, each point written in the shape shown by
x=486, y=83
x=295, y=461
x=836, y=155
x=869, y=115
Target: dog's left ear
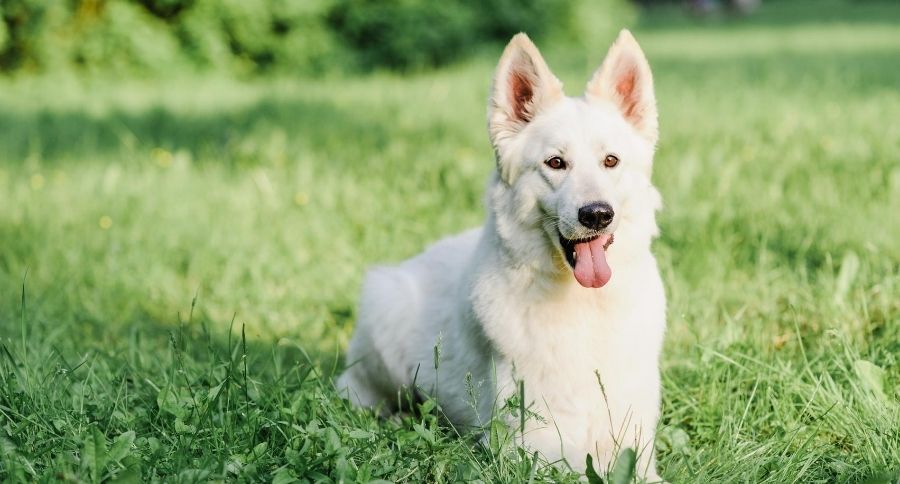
x=624, y=79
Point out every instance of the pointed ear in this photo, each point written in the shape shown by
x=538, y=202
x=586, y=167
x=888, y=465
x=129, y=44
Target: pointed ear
x=624, y=79
x=523, y=85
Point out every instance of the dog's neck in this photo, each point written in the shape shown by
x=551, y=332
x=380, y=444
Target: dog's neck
x=514, y=238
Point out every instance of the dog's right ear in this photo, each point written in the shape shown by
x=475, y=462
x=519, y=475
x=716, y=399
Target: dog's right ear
x=523, y=85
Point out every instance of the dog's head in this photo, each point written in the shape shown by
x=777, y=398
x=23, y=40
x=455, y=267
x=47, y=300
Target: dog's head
x=577, y=169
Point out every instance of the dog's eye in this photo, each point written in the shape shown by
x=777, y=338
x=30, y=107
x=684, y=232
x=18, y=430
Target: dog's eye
x=555, y=162
x=611, y=161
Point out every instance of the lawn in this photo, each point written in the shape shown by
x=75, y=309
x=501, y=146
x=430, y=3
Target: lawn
x=180, y=260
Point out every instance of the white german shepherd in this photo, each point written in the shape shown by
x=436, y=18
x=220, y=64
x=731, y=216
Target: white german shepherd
x=540, y=293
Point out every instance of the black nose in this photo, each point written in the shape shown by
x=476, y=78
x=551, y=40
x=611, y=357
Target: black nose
x=596, y=216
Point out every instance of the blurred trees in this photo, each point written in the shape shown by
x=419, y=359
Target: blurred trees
x=246, y=36
x=416, y=33
x=158, y=35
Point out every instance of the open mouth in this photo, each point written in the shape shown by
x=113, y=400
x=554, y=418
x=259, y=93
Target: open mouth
x=587, y=258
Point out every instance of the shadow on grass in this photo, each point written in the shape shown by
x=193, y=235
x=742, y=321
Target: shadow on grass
x=778, y=14
x=232, y=137
x=858, y=73
x=242, y=137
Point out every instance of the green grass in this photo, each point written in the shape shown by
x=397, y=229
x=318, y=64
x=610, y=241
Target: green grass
x=121, y=203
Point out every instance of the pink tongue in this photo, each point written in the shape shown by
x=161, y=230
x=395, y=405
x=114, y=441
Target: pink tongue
x=591, y=268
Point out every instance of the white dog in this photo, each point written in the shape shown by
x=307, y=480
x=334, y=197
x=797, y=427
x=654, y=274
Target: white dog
x=558, y=289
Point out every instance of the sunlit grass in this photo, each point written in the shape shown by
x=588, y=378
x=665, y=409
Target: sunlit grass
x=267, y=199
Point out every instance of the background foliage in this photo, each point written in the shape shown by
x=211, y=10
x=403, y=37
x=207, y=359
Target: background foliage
x=300, y=36
x=163, y=35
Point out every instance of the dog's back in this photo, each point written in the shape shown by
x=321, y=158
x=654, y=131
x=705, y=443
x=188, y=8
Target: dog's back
x=403, y=311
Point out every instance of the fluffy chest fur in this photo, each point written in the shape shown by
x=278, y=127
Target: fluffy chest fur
x=564, y=340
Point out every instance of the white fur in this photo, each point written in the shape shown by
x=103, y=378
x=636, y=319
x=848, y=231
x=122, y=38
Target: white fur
x=502, y=303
